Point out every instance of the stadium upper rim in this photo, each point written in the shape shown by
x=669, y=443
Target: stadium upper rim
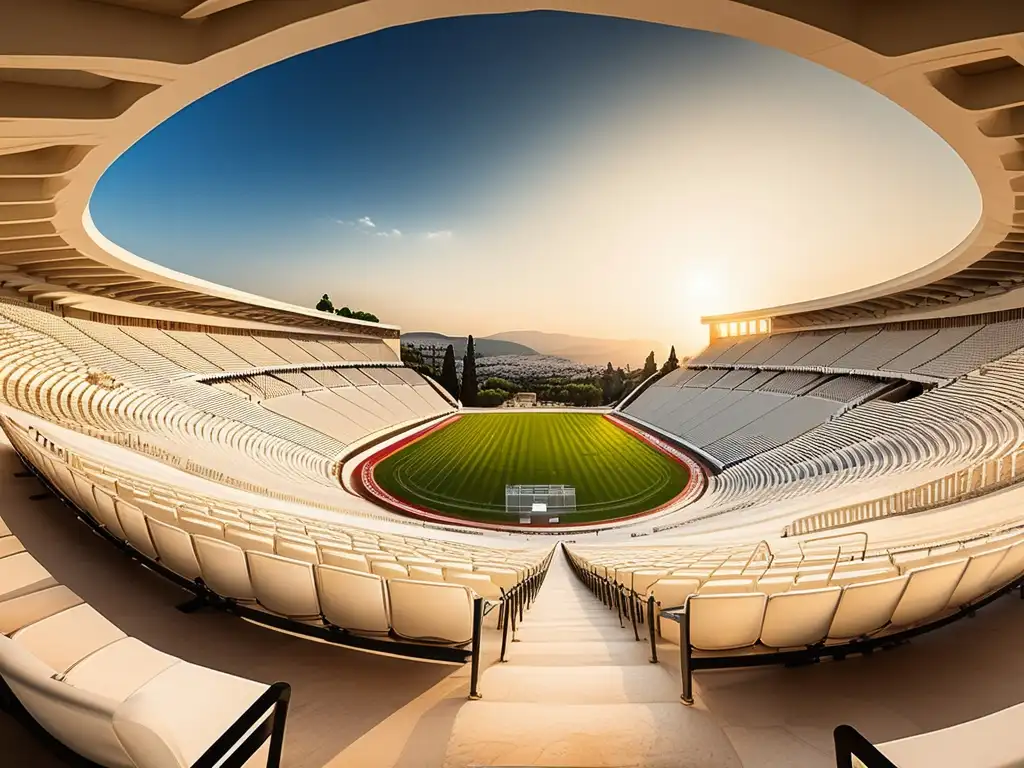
x=71, y=103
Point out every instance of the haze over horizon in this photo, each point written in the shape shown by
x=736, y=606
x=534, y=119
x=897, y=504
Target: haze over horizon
x=618, y=180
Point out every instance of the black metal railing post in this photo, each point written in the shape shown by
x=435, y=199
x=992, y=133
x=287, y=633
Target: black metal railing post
x=478, y=624
x=244, y=737
x=513, y=612
x=685, y=656
x=651, y=629
x=276, y=748
x=631, y=596
x=503, y=617
x=850, y=743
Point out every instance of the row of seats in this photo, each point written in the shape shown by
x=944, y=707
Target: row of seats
x=733, y=425
x=144, y=395
x=974, y=419
x=748, y=601
x=314, y=572
x=107, y=696
x=942, y=353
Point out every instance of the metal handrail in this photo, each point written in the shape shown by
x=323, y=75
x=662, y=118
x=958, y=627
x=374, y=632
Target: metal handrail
x=762, y=543
x=858, y=534
x=850, y=744
x=275, y=700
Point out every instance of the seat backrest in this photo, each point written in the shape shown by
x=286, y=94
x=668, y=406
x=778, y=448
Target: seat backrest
x=643, y=579
x=306, y=551
x=342, y=559
x=133, y=523
x=174, y=549
x=727, y=586
x=425, y=573
x=250, y=541
x=80, y=720
x=158, y=737
x=1009, y=568
x=504, y=578
x=773, y=585
x=380, y=557
x=83, y=493
x=389, y=570
x=866, y=607
x=192, y=522
x=479, y=582
x=285, y=587
x=975, y=580
x=726, y=621
x=106, y=513
x=867, y=574
x=431, y=611
x=799, y=617
x=22, y=574
x=455, y=565
x=165, y=513
x=671, y=592
x=353, y=600
x=928, y=591
x=223, y=567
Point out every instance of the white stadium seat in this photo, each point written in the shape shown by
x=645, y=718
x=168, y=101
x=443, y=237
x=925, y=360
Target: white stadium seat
x=431, y=612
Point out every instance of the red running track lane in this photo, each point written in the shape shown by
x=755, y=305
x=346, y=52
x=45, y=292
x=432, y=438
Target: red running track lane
x=365, y=481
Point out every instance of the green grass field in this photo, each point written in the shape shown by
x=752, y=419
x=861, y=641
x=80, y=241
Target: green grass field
x=462, y=469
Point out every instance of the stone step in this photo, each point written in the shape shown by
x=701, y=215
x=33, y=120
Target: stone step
x=580, y=685
x=601, y=620
x=594, y=735
x=580, y=653
x=533, y=633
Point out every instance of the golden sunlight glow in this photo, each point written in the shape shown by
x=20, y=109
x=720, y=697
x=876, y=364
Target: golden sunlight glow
x=705, y=291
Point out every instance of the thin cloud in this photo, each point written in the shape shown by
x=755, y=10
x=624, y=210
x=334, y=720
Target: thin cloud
x=368, y=226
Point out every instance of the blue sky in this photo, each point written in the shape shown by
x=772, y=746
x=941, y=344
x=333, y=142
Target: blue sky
x=561, y=172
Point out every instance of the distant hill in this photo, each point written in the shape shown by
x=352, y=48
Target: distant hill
x=484, y=347
x=583, y=349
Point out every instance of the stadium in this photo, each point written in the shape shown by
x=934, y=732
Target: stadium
x=195, y=570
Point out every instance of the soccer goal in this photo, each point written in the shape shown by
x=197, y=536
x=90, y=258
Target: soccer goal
x=540, y=503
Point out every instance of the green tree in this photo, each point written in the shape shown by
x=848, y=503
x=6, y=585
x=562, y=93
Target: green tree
x=613, y=382
x=355, y=314
x=325, y=305
x=650, y=367
x=607, y=381
x=490, y=398
x=449, y=376
x=498, y=383
x=469, y=385
x=672, y=363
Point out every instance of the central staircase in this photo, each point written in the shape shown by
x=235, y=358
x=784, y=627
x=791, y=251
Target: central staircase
x=578, y=690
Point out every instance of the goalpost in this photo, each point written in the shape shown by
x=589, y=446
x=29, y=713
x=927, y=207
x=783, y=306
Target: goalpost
x=539, y=503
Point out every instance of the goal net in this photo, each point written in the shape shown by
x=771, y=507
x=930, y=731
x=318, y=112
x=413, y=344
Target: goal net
x=539, y=503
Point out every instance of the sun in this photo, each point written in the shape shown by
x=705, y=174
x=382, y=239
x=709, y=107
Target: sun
x=705, y=291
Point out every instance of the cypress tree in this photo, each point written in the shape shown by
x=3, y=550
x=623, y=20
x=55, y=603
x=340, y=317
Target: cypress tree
x=650, y=367
x=672, y=363
x=449, y=376
x=608, y=384
x=469, y=385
